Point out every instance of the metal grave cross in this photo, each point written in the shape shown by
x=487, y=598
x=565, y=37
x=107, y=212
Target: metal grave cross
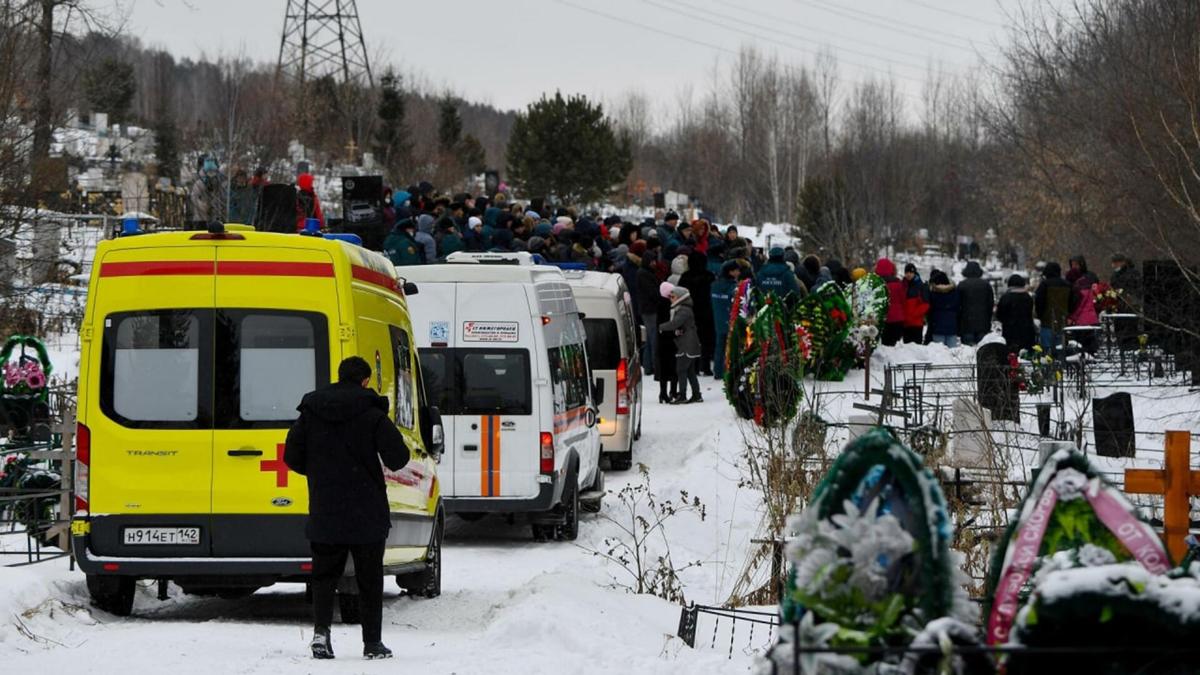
x=1177, y=483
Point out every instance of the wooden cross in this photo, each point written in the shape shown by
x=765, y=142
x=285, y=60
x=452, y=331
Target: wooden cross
x=1177, y=483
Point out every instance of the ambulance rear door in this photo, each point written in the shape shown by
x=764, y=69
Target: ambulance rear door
x=150, y=409
x=277, y=323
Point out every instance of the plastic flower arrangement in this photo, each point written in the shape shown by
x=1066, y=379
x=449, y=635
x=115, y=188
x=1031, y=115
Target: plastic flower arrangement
x=1106, y=298
x=1037, y=370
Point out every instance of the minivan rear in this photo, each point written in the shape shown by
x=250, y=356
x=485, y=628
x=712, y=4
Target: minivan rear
x=612, y=348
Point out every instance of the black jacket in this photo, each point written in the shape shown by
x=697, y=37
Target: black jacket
x=1015, y=314
x=337, y=442
x=647, y=289
x=976, y=300
x=1055, y=299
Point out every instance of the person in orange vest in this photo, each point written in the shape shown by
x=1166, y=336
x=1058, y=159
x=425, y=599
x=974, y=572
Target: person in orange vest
x=308, y=205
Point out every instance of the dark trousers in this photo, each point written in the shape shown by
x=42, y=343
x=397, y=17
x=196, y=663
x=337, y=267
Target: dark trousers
x=685, y=372
x=329, y=561
x=914, y=334
x=892, y=332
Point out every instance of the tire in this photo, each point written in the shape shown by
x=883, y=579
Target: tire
x=428, y=582
x=112, y=594
x=569, y=529
x=349, y=607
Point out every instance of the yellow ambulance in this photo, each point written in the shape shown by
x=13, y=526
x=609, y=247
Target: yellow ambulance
x=197, y=348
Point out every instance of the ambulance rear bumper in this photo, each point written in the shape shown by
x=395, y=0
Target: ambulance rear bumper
x=549, y=494
x=280, y=568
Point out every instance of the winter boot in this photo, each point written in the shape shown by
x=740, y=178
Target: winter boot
x=376, y=650
x=695, y=398
x=322, y=647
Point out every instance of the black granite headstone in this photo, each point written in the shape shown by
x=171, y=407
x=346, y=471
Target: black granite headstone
x=277, y=209
x=1112, y=418
x=996, y=389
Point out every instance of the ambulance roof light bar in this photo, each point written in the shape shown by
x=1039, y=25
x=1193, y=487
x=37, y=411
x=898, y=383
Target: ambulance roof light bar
x=515, y=258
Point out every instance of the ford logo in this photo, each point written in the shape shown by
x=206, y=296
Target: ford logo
x=281, y=501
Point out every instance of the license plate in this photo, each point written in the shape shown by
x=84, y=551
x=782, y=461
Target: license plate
x=162, y=536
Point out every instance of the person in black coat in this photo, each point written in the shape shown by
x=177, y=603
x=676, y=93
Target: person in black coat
x=337, y=442
x=698, y=281
x=1054, y=301
x=664, y=357
x=1015, y=313
x=976, y=300
x=648, y=300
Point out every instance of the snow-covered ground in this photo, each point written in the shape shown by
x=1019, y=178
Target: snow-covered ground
x=508, y=605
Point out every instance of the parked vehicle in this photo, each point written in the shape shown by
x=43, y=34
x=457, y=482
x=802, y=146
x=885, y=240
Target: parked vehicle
x=504, y=352
x=613, y=339
x=197, y=348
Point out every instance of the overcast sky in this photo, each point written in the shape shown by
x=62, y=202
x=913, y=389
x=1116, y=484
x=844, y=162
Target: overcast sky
x=508, y=53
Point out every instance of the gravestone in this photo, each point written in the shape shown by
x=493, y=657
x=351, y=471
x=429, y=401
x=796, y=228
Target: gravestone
x=860, y=424
x=971, y=424
x=47, y=248
x=1046, y=449
x=997, y=392
x=1043, y=417
x=277, y=209
x=1112, y=418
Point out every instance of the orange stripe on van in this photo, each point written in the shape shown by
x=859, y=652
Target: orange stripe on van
x=496, y=455
x=566, y=421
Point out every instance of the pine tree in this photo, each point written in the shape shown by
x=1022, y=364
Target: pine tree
x=166, y=145
x=471, y=155
x=567, y=148
x=392, y=143
x=450, y=125
x=109, y=87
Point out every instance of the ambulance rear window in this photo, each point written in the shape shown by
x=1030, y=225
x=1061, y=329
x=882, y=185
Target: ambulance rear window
x=478, y=381
x=151, y=370
x=603, y=343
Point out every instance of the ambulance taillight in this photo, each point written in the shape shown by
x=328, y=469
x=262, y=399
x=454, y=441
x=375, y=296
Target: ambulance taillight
x=547, y=455
x=623, y=387
x=83, y=461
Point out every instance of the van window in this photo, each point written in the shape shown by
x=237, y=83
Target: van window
x=403, y=377
x=277, y=365
x=150, y=375
x=267, y=360
x=603, y=343
x=569, y=376
x=478, y=381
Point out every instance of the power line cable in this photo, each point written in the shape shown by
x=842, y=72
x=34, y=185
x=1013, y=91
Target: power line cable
x=786, y=45
x=951, y=12
x=893, y=25
x=827, y=32
x=869, y=55
x=656, y=31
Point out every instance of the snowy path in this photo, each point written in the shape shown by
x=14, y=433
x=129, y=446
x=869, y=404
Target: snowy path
x=508, y=605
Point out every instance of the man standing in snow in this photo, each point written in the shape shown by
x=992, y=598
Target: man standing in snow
x=337, y=442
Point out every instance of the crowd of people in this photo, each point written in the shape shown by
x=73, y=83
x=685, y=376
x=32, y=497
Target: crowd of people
x=683, y=277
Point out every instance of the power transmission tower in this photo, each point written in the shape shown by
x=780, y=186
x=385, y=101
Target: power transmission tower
x=324, y=39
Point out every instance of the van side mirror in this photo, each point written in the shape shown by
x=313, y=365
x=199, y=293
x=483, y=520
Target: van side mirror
x=433, y=433
x=410, y=288
x=598, y=391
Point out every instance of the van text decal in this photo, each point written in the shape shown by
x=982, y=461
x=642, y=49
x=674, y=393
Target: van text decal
x=490, y=331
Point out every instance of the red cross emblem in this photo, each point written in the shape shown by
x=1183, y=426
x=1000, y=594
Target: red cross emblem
x=277, y=465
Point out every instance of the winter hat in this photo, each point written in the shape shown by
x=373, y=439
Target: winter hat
x=425, y=222
x=559, y=227
x=665, y=288
x=305, y=181
x=1016, y=281
x=543, y=230
x=473, y=221
x=885, y=268
x=400, y=198
x=909, y=267
x=671, y=215
x=939, y=278
x=776, y=254
x=565, y=221
x=678, y=293
x=858, y=273
x=533, y=214
x=638, y=248
x=536, y=244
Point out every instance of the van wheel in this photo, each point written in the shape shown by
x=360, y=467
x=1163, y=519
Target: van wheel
x=349, y=607
x=112, y=594
x=569, y=530
x=428, y=582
